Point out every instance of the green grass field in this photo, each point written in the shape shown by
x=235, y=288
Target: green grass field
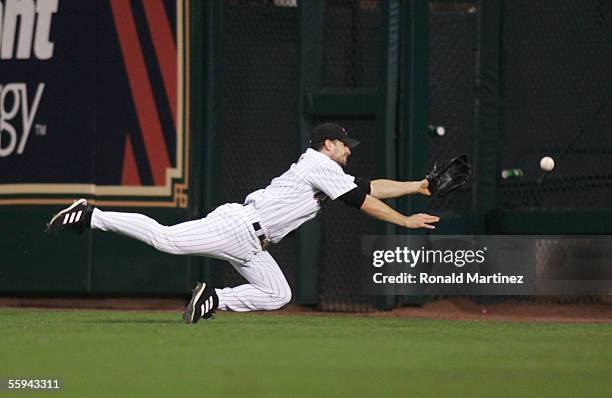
x=129, y=354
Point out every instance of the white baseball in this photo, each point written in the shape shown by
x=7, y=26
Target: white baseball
x=440, y=131
x=547, y=163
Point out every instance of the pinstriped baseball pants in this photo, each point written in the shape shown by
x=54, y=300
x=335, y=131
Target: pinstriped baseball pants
x=226, y=233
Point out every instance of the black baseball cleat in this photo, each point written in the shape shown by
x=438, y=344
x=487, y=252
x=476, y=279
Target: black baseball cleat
x=204, y=302
x=76, y=217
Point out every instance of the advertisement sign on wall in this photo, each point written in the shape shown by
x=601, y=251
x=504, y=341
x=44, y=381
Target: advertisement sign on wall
x=93, y=102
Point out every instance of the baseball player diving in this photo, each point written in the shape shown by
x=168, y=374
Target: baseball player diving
x=242, y=233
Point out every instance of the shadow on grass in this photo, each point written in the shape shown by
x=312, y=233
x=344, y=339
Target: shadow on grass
x=127, y=321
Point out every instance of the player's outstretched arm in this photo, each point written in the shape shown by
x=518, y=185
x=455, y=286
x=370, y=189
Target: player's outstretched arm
x=389, y=189
x=379, y=210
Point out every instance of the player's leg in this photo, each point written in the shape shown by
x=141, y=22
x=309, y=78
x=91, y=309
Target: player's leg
x=222, y=234
x=219, y=235
x=175, y=239
x=267, y=288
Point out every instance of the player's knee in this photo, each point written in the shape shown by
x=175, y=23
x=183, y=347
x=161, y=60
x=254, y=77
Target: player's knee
x=281, y=298
x=286, y=298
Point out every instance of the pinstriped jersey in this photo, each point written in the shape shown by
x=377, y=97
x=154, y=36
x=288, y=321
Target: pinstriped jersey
x=296, y=196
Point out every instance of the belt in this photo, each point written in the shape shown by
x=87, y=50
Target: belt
x=261, y=235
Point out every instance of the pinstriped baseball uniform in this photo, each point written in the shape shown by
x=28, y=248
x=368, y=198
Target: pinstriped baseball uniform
x=229, y=232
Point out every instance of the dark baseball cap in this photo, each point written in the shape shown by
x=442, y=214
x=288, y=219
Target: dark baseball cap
x=331, y=131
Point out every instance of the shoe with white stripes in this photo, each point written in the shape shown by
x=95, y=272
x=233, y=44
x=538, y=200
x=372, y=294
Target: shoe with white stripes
x=76, y=217
x=204, y=302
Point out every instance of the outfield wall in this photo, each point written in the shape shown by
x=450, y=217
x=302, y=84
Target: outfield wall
x=172, y=107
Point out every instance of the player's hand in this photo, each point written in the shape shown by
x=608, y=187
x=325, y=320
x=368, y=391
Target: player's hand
x=421, y=220
x=423, y=187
